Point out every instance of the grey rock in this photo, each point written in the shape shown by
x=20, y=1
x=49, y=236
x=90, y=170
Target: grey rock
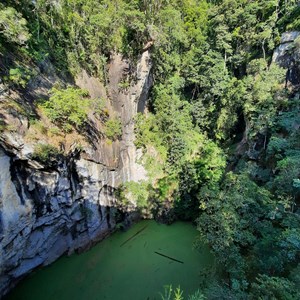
x=288, y=37
x=47, y=213
x=287, y=55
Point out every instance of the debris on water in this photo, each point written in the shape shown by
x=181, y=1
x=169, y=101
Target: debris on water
x=134, y=235
x=171, y=258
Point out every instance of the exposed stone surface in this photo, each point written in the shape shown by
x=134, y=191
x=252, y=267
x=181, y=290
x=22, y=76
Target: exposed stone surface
x=287, y=55
x=48, y=211
x=288, y=37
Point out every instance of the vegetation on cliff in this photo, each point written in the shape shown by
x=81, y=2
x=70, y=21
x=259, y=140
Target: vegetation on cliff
x=223, y=126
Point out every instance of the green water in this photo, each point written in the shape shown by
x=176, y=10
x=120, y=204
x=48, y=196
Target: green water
x=116, y=271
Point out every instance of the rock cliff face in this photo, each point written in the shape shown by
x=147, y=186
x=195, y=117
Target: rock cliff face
x=46, y=212
x=287, y=55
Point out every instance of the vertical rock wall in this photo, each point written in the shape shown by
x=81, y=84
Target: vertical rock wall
x=46, y=212
x=287, y=55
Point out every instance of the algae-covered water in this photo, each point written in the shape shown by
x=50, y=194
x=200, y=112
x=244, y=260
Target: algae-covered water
x=126, y=266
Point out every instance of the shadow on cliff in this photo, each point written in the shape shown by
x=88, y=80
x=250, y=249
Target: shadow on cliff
x=91, y=133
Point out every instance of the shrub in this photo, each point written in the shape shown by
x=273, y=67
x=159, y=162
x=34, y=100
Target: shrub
x=54, y=131
x=124, y=85
x=98, y=105
x=39, y=126
x=13, y=26
x=19, y=76
x=113, y=129
x=67, y=107
x=99, y=109
x=138, y=192
x=45, y=153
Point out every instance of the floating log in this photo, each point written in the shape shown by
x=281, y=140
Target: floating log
x=133, y=236
x=171, y=258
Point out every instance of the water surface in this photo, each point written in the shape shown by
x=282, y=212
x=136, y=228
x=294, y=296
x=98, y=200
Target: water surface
x=125, y=266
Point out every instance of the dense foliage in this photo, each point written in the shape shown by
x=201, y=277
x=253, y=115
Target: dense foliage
x=67, y=107
x=216, y=97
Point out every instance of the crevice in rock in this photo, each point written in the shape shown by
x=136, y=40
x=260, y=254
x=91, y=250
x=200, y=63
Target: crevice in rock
x=18, y=176
x=108, y=217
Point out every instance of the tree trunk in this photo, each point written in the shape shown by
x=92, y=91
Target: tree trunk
x=263, y=49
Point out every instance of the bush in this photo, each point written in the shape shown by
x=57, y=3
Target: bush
x=19, y=76
x=113, y=129
x=39, y=126
x=99, y=109
x=54, y=131
x=13, y=26
x=138, y=192
x=67, y=107
x=45, y=153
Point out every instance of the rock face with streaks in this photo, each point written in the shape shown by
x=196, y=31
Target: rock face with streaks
x=46, y=212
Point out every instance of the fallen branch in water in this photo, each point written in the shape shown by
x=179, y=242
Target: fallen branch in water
x=133, y=236
x=174, y=259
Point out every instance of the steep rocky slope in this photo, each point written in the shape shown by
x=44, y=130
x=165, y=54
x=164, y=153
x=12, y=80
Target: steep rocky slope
x=287, y=55
x=46, y=211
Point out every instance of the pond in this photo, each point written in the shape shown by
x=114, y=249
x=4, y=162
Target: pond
x=130, y=265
